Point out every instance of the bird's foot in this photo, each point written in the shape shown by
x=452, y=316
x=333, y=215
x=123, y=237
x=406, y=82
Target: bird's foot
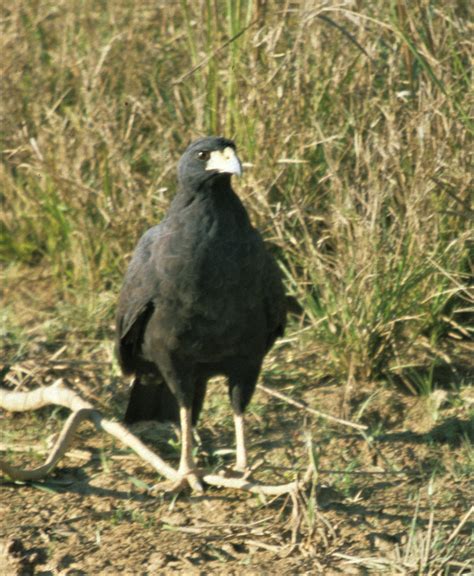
x=236, y=472
x=241, y=470
x=186, y=480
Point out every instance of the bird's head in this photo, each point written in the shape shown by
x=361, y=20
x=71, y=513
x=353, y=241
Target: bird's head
x=207, y=158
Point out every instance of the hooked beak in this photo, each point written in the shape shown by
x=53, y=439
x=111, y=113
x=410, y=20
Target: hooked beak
x=225, y=162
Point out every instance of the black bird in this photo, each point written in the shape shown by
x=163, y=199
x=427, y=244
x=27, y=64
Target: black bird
x=201, y=297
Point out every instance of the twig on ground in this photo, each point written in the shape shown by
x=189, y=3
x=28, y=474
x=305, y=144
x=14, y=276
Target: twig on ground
x=58, y=394
x=303, y=406
x=463, y=520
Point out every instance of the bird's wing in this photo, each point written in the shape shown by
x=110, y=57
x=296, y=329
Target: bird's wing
x=275, y=300
x=135, y=306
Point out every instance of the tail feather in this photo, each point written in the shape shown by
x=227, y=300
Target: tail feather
x=151, y=401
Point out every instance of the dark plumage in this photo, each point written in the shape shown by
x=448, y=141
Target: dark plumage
x=201, y=297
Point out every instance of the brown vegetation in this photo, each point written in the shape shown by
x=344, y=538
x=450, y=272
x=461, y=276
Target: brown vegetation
x=353, y=121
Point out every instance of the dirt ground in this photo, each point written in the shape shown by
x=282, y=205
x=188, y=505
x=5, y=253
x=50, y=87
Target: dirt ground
x=391, y=500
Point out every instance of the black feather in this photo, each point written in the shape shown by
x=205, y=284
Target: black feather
x=201, y=297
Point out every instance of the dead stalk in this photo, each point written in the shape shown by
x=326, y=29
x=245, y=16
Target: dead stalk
x=59, y=395
x=302, y=406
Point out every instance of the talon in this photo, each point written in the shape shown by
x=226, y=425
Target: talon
x=194, y=482
x=244, y=473
x=235, y=473
x=188, y=480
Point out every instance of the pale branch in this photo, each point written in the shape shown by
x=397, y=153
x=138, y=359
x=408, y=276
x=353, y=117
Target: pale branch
x=57, y=452
x=57, y=394
x=254, y=487
x=302, y=406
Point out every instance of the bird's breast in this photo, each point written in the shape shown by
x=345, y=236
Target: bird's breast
x=210, y=286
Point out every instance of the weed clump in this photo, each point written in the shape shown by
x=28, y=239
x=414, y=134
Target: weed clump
x=353, y=124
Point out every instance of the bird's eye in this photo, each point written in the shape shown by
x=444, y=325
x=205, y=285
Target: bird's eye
x=204, y=155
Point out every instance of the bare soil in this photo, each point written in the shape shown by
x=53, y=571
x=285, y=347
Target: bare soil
x=375, y=495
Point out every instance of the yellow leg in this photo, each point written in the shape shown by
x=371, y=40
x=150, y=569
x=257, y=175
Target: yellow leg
x=186, y=463
x=188, y=477
x=241, y=454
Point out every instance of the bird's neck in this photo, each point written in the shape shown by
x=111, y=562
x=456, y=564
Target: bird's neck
x=214, y=194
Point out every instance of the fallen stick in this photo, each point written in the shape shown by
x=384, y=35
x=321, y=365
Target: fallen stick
x=57, y=394
x=303, y=406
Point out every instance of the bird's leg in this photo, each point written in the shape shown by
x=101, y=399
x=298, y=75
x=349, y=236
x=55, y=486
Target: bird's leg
x=241, y=454
x=240, y=468
x=186, y=463
x=241, y=387
x=187, y=467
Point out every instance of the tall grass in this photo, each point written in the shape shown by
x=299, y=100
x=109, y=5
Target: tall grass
x=353, y=121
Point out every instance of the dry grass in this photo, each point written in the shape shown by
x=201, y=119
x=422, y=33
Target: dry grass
x=357, y=136
x=353, y=121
